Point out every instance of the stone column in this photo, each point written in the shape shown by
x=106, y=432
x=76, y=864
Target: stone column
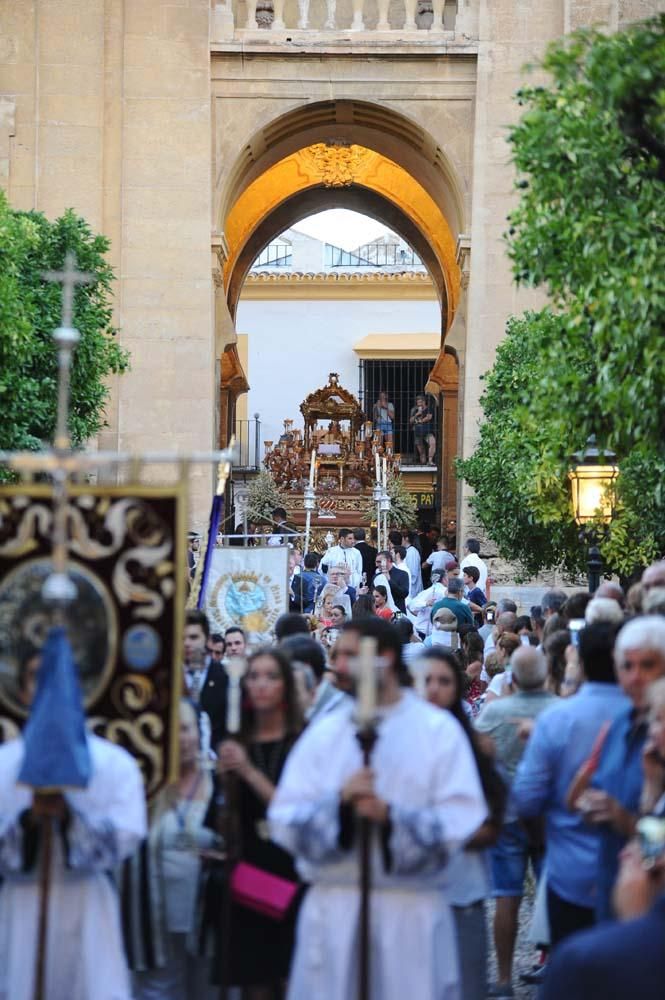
x=511, y=33
x=167, y=400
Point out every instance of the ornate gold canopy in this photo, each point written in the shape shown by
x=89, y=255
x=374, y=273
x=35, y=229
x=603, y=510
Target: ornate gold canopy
x=334, y=403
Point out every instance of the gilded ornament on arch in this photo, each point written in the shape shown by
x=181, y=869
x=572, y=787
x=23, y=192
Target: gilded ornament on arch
x=337, y=163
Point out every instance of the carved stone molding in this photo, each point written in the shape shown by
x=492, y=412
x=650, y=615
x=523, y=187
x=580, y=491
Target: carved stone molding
x=463, y=257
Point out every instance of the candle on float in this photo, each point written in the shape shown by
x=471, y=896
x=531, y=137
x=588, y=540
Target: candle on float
x=312, y=465
x=385, y=471
x=378, y=467
x=366, y=682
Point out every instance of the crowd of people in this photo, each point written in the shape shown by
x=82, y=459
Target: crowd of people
x=509, y=740
x=559, y=724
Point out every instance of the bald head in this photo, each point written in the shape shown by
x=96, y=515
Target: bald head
x=506, y=622
x=613, y=591
x=654, y=575
x=529, y=668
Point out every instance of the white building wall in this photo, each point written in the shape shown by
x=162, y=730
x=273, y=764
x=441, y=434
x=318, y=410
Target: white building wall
x=294, y=344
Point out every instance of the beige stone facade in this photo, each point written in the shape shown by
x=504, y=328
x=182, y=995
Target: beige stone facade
x=154, y=118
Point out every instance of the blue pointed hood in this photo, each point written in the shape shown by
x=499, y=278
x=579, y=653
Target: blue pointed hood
x=56, y=748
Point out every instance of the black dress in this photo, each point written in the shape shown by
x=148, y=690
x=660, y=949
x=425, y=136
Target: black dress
x=261, y=948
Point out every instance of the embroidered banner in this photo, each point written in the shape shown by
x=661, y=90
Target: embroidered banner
x=247, y=587
x=127, y=562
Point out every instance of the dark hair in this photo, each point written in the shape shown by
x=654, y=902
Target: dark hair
x=292, y=716
x=339, y=607
x=555, y=623
x=195, y=616
x=494, y=788
x=523, y=621
x=305, y=650
x=554, y=647
x=234, y=628
x=343, y=532
x=291, y=623
x=400, y=551
x=473, y=545
x=385, y=555
x=387, y=641
x=404, y=628
x=359, y=534
x=395, y=537
x=380, y=589
x=473, y=646
x=278, y=513
x=364, y=606
x=536, y=615
x=311, y=560
x=576, y=604
x=596, y=652
x=553, y=600
x=473, y=572
x=217, y=637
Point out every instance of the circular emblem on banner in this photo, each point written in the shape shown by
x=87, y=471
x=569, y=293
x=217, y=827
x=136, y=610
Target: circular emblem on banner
x=141, y=647
x=251, y=600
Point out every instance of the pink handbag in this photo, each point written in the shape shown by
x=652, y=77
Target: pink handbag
x=258, y=890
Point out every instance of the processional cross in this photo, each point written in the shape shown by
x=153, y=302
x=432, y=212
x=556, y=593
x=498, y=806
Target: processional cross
x=59, y=586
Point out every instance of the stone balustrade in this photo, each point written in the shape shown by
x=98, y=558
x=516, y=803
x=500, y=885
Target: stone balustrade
x=452, y=19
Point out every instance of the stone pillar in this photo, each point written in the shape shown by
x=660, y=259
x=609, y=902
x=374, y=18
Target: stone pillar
x=167, y=400
x=510, y=35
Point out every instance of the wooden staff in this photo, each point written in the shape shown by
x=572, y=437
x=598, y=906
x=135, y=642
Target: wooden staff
x=46, y=852
x=235, y=669
x=366, y=736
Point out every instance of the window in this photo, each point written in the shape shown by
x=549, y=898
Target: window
x=402, y=381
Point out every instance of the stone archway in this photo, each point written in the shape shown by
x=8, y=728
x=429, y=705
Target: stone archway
x=362, y=156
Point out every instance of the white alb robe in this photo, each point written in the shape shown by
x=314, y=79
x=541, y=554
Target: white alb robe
x=85, y=955
x=426, y=772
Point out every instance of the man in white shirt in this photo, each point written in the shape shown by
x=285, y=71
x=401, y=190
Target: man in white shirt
x=471, y=557
x=419, y=608
x=413, y=562
x=345, y=553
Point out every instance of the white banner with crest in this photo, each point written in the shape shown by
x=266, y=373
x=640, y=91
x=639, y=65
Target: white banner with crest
x=247, y=587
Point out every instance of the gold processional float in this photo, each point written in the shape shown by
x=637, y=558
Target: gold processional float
x=337, y=467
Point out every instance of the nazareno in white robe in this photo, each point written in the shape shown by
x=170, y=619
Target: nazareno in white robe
x=85, y=955
x=426, y=771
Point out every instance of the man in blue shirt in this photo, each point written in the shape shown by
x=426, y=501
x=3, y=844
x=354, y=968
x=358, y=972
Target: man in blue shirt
x=453, y=601
x=613, y=802
x=562, y=740
x=617, y=961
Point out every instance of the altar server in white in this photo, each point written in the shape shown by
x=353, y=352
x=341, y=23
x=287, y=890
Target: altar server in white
x=345, y=554
x=97, y=827
x=423, y=794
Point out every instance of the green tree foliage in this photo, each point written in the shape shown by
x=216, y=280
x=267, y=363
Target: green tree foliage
x=588, y=228
x=30, y=311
